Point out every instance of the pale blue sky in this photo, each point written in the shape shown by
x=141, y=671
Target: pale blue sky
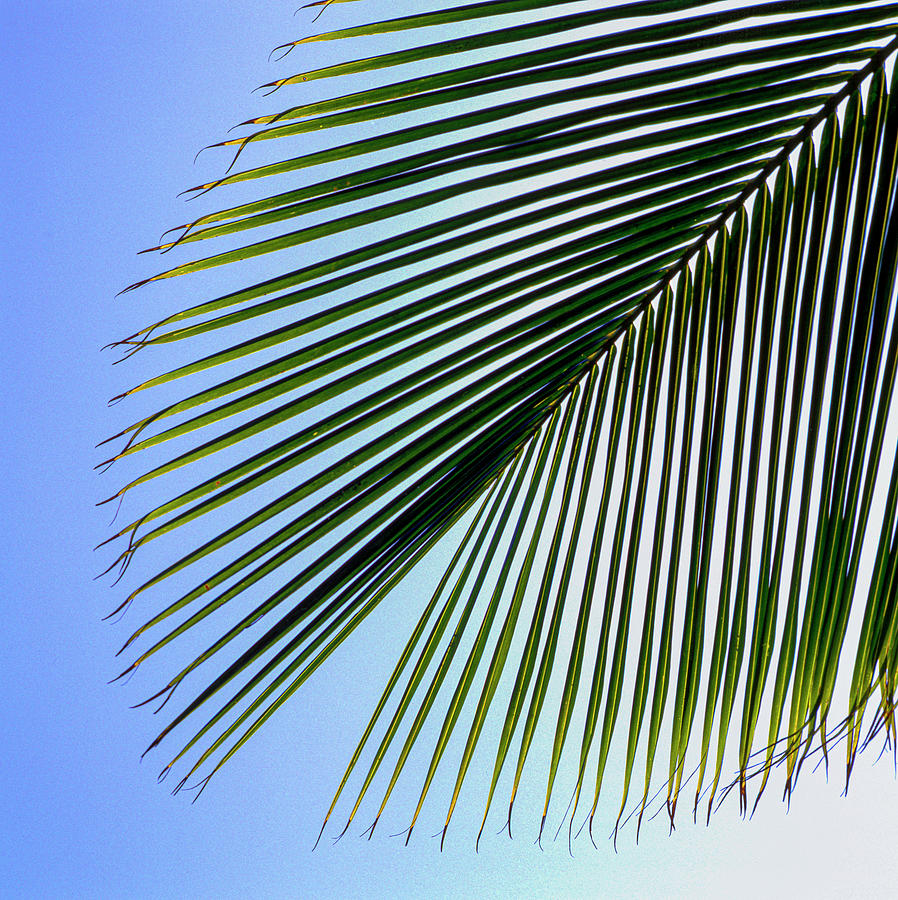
x=104, y=106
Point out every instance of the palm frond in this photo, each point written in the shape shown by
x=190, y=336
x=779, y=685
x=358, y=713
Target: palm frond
x=616, y=322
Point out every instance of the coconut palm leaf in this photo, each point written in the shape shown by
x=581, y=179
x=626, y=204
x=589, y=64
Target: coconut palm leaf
x=603, y=300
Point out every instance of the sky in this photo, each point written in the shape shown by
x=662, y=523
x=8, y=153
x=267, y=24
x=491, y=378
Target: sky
x=105, y=106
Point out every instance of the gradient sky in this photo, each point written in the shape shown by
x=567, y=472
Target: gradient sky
x=105, y=106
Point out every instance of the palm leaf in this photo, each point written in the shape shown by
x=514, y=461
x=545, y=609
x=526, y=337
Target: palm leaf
x=616, y=324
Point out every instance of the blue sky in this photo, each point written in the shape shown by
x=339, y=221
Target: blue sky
x=105, y=106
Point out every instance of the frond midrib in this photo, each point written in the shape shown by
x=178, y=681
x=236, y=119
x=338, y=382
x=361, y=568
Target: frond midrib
x=876, y=62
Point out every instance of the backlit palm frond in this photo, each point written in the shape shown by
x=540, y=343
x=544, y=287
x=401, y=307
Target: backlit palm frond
x=604, y=301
